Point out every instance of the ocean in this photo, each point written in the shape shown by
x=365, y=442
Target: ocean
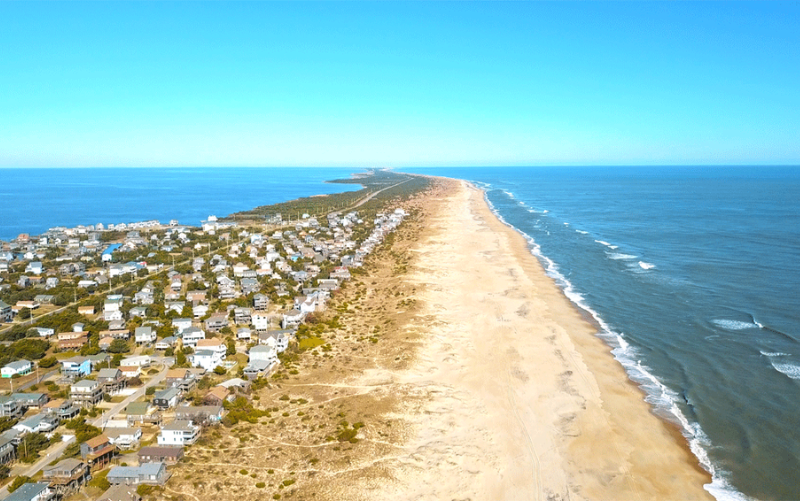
x=34, y=200
x=693, y=274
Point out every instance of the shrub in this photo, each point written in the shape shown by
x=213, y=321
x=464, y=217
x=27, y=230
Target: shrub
x=150, y=391
x=18, y=482
x=243, y=472
x=260, y=485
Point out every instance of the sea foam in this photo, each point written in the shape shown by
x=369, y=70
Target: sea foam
x=646, y=266
x=733, y=325
x=619, y=255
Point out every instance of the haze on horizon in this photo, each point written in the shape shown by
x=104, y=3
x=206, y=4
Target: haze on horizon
x=399, y=84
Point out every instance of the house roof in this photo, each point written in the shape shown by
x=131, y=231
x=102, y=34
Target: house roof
x=108, y=373
x=19, y=364
x=97, y=441
x=178, y=425
x=65, y=464
x=144, y=469
x=28, y=491
x=167, y=394
x=176, y=373
x=120, y=492
x=219, y=392
x=161, y=451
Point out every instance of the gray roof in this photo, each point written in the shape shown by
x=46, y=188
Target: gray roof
x=19, y=364
x=108, y=373
x=178, y=424
x=258, y=365
x=145, y=469
x=167, y=394
x=27, y=491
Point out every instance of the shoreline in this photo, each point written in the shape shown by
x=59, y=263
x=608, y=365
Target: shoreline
x=538, y=409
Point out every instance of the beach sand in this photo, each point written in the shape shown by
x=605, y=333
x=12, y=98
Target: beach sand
x=511, y=396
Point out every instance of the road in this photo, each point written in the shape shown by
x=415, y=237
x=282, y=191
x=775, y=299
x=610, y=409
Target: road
x=54, y=452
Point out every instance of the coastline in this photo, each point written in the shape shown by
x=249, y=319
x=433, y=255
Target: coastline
x=539, y=409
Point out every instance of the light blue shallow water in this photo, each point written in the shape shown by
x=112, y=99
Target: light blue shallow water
x=33, y=200
x=695, y=275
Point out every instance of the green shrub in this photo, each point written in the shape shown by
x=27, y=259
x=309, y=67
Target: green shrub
x=260, y=485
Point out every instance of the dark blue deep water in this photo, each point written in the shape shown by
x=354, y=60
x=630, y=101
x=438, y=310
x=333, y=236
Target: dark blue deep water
x=694, y=275
x=33, y=200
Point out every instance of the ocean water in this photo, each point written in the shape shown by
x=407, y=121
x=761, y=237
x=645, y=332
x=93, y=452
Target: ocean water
x=33, y=200
x=694, y=276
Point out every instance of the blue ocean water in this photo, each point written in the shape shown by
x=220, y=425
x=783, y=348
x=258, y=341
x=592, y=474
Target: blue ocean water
x=693, y=274
x=33, y=200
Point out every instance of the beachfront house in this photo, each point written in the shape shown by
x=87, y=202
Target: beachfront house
x=145, y=473
x=18, y=368
x=179, y=433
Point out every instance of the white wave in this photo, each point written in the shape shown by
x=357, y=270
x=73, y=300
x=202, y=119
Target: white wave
x=789, y=369
x=511, y=195
x=582, y=232
x=775, y=354
x=646, y=266
x=733, y=325
x=566, y=224
x=621, y=256
x=659, y=394
x=603, y=242
x=545, y=211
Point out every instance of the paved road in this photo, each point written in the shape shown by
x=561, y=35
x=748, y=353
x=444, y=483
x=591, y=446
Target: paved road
x=55, y=451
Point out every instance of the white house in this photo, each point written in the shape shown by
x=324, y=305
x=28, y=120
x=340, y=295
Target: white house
x=178, y=432
x=243, y=334
x=124, y=437
x=263, y=352
x=17, y=368
x=260, y=321
x=45, y=331
x=192, y=335
x=215, y=345
x=181, y=324
x=207, y=359
x=145, y=335
x=136, y=361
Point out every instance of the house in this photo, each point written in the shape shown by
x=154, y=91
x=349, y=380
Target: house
x=32, y=491
x=66, y=476
x=138, y=311
x=260, y=302
x=136, y=361
x=165, y=343
x=130, y=371
x=98, y=452
x=153, y=454
x=200, y=310
x=116, y=334
x=292, y=319
x=196, y=296
x=182, y=379
x=263, y=352
x=76, y=367
x=258, y=368
x=86, y=310
x=145, y=473
x=120, y=492
x=142, y=412
x=165, y=399
x=145, y=335
x=205, y=414
x=45, y=331
x=7, y=450
x=181, y=324
x=207, y=359
x=192, y=335
x=215, y=323
x=214, y=344
x=124, y=438
x=216, y=395
x=62, y=409
x=179, y=432
x=242, y=315
x=176, y=306
x=249, y=285
x=31, y=400
x=86, y=393
x=243, y=334
x=72, y=340
x=112, y=380
x=279, y=337
x=34, y=268
x=18, y=368
x=38, y=423
x=260, y=321
x=6, y=315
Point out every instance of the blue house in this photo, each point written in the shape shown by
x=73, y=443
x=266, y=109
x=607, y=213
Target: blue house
x=76, y=367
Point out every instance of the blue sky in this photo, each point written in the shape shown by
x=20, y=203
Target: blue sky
x=399, y=84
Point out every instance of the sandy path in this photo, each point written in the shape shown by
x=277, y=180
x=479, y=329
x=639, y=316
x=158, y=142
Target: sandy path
x=511, y=396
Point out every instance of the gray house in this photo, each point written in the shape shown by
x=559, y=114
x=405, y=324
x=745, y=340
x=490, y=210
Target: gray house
x=146, y=473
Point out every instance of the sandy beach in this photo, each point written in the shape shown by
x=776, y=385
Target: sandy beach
x=511, y=396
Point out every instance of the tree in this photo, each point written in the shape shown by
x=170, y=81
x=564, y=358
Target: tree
x=18, y=482
x=118, y=346
x=116, y=360
x=230, y=345
x=30, y=446
x=24, y=313
x=48, y=362
x=219, y=370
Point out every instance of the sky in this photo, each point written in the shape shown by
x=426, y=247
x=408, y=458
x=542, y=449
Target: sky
x=398, y=84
